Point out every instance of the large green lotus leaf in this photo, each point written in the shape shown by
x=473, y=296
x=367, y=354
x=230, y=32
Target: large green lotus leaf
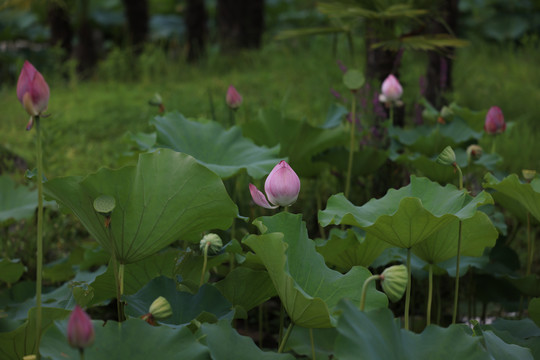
x=16, y=202
x=407, y=216
x=225, y=343
x=375, y=335
x=477, y=233
x=189, y=267
x=365, y=162
x=527, y=195
x=225, y=152
x=501, y=350
x=299, y=140
x=246, y=287
x=308, y=289
x=21, y=341
x=134, y=339
x=185, y=306
x=524, y=333
x=345, y=249
x=534, y=310
x=527, y=285
x=168, y=196
x=323, y=341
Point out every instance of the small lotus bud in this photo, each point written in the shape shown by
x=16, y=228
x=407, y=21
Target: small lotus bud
x=447, y=156
x=32, y=91
x=494, y=123
x=391, y=90
x=233, y=98
x=394, y=281
x=282, y=187
x=214, y=241
x=80, y=330
x=529, y=175
x=474, y=152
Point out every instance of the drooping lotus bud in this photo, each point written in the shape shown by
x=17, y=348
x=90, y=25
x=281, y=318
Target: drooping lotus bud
x=282, y=187
x=394, y=281
x=32, y=91
x=214, y=241
x=447, y=156
x=391, y=90
x=494, y=123
x=159, y=309
x=474, y=152
x=233, y=98
x=80, y=330
x=529, y=175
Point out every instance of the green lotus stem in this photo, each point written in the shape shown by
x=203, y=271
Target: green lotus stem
x=205, y=262
x=392, y=114
x=231, y=117
x=530, y=245
x=408, y=293
x=260, y=325
x=281, y=321
x=456, y=295
x=430, y=295
x=351, y=146
x=81, y=354
x=460, y=174
x=119, y=308
x=285, y=338
x=312, y=344
x=364, y=290
x=39, y=260
x=319, y=207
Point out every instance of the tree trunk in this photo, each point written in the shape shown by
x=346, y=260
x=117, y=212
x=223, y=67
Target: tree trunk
x=61, y=29
x=439, y=71
x=196, y=19
x=240, y=24
x=86, y=51
x=137, y=17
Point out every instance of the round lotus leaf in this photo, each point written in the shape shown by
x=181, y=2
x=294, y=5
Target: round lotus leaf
x=353, y=79
x=104, y=204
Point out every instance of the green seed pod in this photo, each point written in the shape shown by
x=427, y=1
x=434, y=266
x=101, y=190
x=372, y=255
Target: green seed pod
x=104, y=204
x=160, y=308
x=447, y=156
x=394, y=281
x=446, y=113
x=215, y=243
x=529, y=175
x=474, y=152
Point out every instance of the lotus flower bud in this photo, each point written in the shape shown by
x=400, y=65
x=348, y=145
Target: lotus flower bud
x=281, y=186
x=391, y=90
x=80, y=331
x=447, y=156
x=32, y=91
x=474, y=152
x=529, y=175
x=214, y=241
x=494, y=123
x=233, y=98
x=394, y=281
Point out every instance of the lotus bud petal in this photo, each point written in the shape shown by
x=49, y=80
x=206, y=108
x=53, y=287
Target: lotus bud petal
x=391, y=89
x=529, y=175
x=80, y=330
x=494, y=123
x=282, y=185
x=160, y=308
x=259, y=198
x=214, y=241
x=394, y=281
x=233, y=98
x=447, y=156
x=32, y=90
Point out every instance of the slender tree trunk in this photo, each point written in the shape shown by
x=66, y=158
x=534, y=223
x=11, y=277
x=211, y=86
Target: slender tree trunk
x=240, y=24
x=137, y=16
x=86, y=51
x=439, y=71
x=61, y=29
x=196, y=19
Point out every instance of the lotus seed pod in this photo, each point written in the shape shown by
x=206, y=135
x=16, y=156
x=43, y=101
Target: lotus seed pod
x=446, y=113
x=160, y=308
x=394, y=281
x=474, y=152
x=104, y=204
x=215, y=243
x=529, y=175
x=447, y=156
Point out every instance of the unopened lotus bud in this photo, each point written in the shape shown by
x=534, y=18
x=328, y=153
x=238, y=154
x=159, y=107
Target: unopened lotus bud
x=391, y=90
x=529, y=175
x=214, y=241
x=494, y=123
x=394, y=281
x=282, y=187
x=474, y=152
x=80, y=330
x=447, y=156
x=233, y=98
x=32, y=91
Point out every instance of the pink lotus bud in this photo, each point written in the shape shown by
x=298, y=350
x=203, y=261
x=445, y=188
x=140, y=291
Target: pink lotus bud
x=233, y=98
x=391, y=89
x=282, y=187
x=32, y=91
x=494, y=121
x=80, y=331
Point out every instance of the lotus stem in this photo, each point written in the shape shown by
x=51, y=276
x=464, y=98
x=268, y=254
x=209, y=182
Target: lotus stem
x=261, y=325
x=408, y=293
x=205, y=262
x=460, y=174
x=81, y=354
x=430, y=295
x=364, y=290
x=119, y=308
x=392, y=114
x=530, y=245
x=285, y=338
x=456, y=295
x=39, y=260
x=313, y=357
x=281, y=321
x=351, y=146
